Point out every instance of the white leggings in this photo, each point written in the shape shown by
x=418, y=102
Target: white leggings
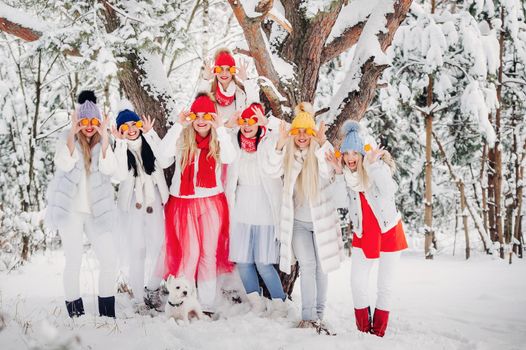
x=360, y=271
x=102, y=243
x=143, y=235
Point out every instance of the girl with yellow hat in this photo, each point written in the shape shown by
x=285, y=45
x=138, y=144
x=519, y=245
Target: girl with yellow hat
x=309, y=227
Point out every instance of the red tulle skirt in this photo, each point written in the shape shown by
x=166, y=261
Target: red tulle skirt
x=197, y=237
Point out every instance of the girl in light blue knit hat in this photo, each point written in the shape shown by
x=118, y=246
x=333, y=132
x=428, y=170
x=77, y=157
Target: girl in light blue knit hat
x=369, y=190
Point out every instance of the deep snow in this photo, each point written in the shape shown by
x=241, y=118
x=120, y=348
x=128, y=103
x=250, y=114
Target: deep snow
x=447, y=303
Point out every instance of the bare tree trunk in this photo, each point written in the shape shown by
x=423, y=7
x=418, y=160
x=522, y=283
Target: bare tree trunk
x=428, y=204
x=464, y=216
x=484, y=188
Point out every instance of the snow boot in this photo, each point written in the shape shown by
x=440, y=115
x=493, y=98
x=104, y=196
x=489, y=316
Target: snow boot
x=380, y=319
x=75, y=308
x=107, y=306
x=363, y=319
x=256, y=301
x=279, y=308
x=152, y=298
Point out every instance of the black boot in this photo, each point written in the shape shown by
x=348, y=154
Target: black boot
x=107, y=306
x=75, y=308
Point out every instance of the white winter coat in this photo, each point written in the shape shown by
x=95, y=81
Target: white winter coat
x=327, y=232
x=380, y=195
x=273, y=187
x=126, y=178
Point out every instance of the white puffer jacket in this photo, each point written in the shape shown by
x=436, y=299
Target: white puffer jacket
x=380, y=195
x=327, y=232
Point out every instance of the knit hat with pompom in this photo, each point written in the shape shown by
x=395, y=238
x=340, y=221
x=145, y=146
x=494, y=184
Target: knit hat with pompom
x=352, y=139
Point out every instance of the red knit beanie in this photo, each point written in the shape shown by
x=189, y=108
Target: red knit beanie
x=225, y=59
x=249, y=112
x=203, y=104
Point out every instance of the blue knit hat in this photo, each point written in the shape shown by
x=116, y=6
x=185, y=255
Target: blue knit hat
x=125, y=116
x=352, y=140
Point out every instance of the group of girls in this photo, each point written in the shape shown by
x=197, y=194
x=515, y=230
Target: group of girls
x=243, y=196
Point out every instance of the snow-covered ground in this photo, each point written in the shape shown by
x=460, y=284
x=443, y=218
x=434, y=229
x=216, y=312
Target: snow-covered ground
x=447, y=303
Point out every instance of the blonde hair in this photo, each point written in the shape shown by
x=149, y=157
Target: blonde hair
x=86, y=147
x=306, y=187
x=234, y=78
x=188, y=146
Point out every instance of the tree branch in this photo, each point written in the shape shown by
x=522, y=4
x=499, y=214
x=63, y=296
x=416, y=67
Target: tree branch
x=342, y=43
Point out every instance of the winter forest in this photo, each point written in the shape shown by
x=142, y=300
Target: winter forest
x=439, y=84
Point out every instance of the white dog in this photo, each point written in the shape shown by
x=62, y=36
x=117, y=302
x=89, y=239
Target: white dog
x=182, y=301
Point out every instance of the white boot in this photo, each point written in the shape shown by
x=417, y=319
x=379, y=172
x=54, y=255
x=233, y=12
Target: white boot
x=257, y=303
x=279, y=308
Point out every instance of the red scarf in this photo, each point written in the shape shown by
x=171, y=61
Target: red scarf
x=206, y=175
x=223, y=99
x=248, y=145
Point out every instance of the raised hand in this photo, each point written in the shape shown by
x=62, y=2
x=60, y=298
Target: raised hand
x=208, y=72
x=103, y=131
x=184, y=118
x=75, y=125
x=374, y=154
x=262, y=119
x=320, y=134
x=216, y=122
x=147, y=124
x=117, y=134
x=334, y=162
x=232, y=122
x=283, y=135
x=242, y=70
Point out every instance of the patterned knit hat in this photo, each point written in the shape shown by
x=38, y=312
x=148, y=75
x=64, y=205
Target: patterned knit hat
x=88, y=105
x=352, y=140
x=203, y=104
x=304, y=118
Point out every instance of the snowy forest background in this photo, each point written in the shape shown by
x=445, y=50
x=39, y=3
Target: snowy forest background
x=447, y=97
x=440, y=83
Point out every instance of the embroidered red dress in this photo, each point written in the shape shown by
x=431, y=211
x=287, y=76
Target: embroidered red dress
x=373, y=241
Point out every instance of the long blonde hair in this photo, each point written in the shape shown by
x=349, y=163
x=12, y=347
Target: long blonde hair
x=86, y=147
x=188, y=146
x=306, y=187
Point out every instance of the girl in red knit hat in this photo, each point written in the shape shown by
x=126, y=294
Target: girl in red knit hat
x=366, y=182
x=255, y=202
x=197, y=219
x=226, y=83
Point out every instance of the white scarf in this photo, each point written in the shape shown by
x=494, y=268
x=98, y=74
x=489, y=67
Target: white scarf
x=230, y=90
x=353, y=180
x=144, y=183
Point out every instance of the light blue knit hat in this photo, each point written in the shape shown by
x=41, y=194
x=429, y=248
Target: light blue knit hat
x=352, y=140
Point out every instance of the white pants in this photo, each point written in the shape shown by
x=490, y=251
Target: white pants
x=143, y=236
x=103, y=245
x=360, y=272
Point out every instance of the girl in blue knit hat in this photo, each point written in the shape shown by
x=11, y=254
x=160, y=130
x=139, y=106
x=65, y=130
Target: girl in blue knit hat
x=142, y=194
x=366, y=181
x=80, y=200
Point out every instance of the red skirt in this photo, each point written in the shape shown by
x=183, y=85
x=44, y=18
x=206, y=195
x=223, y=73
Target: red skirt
x=197, y=237
x=373, y=241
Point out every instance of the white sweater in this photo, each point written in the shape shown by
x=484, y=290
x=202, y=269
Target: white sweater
x=168, y=153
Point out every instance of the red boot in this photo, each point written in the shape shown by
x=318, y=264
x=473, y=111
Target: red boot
x=363, y=319
x=380, y=319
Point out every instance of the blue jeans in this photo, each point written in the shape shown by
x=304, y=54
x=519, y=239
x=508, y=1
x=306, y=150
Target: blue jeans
x=313, y=281
x=269, y=275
